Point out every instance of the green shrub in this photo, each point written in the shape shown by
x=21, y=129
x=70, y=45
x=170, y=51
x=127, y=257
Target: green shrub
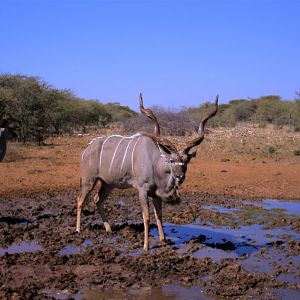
x=271, y=150
x=263, y=125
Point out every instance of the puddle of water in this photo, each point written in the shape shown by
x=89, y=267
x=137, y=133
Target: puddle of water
x=47, y=214
x=254, y=263
x=290, y=207
x=14, y=220
x=270, y=259
x=220, y=209
x=72, y=250
x=58, y=295
x=215, y=254
x=21, y=248
x=287, y=294
x=285, y=277
x=243, y=243
x=169, y=292
x=224, y=242
x=134, y=212
x=138, y=252
x=121, y=202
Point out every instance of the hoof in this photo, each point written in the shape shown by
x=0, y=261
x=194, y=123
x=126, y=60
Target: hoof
x=107, y=227
x=164, y=242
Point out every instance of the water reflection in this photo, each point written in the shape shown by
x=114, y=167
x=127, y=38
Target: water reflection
x=168, y=292
x=222, y=241
x=22, y=247
x=290, y=207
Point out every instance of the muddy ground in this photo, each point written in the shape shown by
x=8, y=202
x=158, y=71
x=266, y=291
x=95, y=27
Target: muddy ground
x=41, y=255
x=224, y=240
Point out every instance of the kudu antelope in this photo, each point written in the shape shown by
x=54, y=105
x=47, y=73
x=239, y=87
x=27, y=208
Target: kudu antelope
x=147, y=162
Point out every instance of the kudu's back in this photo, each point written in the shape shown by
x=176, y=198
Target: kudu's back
x=119, y=161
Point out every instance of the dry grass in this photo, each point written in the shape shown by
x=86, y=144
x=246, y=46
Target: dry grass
x=246, y=142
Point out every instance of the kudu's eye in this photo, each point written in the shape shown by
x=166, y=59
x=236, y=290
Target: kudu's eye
x=172, y=161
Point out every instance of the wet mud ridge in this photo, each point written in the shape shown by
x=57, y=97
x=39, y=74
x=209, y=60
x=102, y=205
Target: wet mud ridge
x=217, y=247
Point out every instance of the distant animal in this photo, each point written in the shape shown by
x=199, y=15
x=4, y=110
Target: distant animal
x=3, y=139
x=148, y=162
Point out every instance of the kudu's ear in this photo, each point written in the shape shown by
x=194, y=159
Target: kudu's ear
x=189, y=156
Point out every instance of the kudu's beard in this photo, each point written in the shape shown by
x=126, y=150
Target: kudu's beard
x=172, y=196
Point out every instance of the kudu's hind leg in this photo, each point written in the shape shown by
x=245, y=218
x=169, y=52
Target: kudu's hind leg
x=102, y=195
x=85, y=191
x=158, y=216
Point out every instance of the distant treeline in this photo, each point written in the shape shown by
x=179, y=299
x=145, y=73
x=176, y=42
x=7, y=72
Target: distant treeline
x=36, y=110
x=262, y=111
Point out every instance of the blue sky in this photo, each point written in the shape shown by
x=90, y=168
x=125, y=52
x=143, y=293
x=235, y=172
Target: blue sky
x=178, y=53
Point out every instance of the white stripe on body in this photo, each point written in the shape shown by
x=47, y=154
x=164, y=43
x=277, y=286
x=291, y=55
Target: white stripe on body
x=125, y=155
x=83, y=153
x=113, y=157
x=101, y=153
x=132, y=156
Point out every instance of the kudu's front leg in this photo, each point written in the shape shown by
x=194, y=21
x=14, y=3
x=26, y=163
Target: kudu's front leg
x=158, y=216
x=146, y=217
x=80, y=201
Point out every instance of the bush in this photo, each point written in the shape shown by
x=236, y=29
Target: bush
x=243, y=109
x=38, y=110
x=263, y=125
x=271, y=150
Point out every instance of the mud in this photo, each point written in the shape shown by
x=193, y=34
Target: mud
x=218, y=247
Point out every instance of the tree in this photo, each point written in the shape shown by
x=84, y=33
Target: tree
x=243, y=110
x=39, y=110
x=269, y=109
x=119, y=113
x=25, y=102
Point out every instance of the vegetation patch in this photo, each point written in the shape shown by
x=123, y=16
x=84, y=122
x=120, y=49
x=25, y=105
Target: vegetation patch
x=36, y=110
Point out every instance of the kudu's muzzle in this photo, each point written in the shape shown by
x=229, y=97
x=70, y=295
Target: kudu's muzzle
x=180, y=178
